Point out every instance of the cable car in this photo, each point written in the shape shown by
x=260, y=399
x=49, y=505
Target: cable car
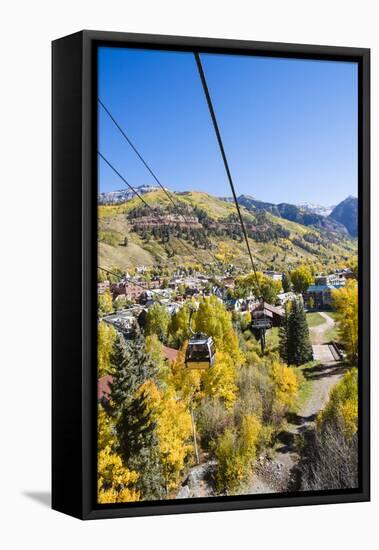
x=201, y=352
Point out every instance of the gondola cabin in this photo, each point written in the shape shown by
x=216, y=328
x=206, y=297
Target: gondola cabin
x=261, y=319
x=201, y=352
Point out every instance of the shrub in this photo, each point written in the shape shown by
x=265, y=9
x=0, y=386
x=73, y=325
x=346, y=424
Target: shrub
x=212, y=420
x=235, y=454
x=342, y=408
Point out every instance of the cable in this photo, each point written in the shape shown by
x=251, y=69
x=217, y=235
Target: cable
x=124, y=180
x=143, y=200
x=165, y=191
x=221, y=146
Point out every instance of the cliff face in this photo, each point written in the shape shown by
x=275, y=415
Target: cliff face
x=346, y=213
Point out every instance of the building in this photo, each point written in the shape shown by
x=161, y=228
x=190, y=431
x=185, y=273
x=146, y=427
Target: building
x=148, y=297
x=272, y=314
x=274, y=275
x=128, y=289
x=334, y=279
x=347, y=273
x=125, y=321
x=319, y=296
x=102, y=287
x=284, y=297
x=234, y=304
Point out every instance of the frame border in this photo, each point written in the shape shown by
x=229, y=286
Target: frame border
x=80, y=498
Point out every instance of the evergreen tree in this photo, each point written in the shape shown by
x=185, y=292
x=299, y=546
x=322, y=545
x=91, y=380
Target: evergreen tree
x=295, y=345
x=286, y=283
x=283, y=336
x=300, y=347
x=134, y=422
x=139, y=447
x=132, y=366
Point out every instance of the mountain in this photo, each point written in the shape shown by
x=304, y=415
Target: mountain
x=346, y=213
x=316, y=208
x=201, y=223
x=123, y=195
x=294, y=213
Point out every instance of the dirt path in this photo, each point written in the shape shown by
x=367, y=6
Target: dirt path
x=273, y=475
x=318, y=331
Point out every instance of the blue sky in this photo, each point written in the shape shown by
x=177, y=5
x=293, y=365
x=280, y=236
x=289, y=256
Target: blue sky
x=289, y=126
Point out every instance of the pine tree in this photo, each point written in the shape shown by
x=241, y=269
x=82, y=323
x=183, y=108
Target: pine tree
x=300, y=348
x=131, y=366
x=137, y=432
x=283, y=335
x=134, y=422
x=295, y=345
x=286, y=282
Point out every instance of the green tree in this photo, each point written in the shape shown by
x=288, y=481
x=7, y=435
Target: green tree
x=261, y=286
x=179, y=327
x=284, y=335
x=294, y=345
x=104, y=303
x=134, y=419
x=213, y=319
x=301, y=278
x=105, y=341
x=286, y=282
x=157, y=321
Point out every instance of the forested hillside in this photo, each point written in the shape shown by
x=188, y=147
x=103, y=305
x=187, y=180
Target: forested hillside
x=132, y=233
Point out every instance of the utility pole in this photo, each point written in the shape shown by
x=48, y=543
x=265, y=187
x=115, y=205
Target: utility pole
x=263, y=339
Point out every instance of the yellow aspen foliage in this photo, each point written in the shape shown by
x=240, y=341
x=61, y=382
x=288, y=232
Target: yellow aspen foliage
x=174, y=433
x=235, y=454
x=219, y=381
x=342, y=407
x=185, y=382
x=345, y=302
x=349, y=413
x=188, y=385
x=174, y=429
x=104, y=303
x=106, y=336
x=114, y=480
x=225, y=253
x=154, y=348
x=231, y=468
x=285, y=383
x=105, y=429
x=213, y=319
x=301, y=278
x=250, y=432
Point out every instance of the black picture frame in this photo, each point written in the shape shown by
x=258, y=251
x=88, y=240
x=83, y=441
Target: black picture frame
x=74, y=202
